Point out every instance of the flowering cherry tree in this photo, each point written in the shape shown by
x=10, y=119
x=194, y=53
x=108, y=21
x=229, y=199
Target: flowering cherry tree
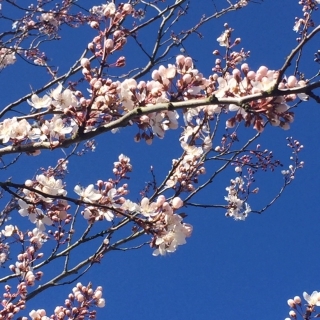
x=46, y=220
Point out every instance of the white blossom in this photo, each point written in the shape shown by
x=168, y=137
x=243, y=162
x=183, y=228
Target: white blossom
x=314, y=299
x=88, y=194
x=63, y=99
x=51, y=186
x=7, y=56
x=8, y=230
x=40, y=103
x=34, y=214
x=148, y=209
x=223, y=39
x=174, y=236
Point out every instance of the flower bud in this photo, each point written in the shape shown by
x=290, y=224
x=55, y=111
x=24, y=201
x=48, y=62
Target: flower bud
x=291, y=303
x=85, y=63
x=94, y=25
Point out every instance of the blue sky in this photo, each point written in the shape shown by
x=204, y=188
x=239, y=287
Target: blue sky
x=228, y=269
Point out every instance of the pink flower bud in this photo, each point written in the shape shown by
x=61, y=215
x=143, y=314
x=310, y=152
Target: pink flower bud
x=90, y=46
x=144, y=119
x=85, y=71
x=94, y=24
x=28, y=183
x=98, y=294
x=160, y=200
x=127, y=8
x=80, y=297
x=291, y=303
x=263, y=71
x=292, y=81
x=101, y=303
x=236, y=73
x=109, y=44
x=177, y=203
x=155, y=75
x=180, y=59
x=187, y=78
x=98, y=84
x=188, y=62
x=85, y=63
x=245, y=68
x=251, y=75
x=117, y=34
x=292, y=314
x=121, y=62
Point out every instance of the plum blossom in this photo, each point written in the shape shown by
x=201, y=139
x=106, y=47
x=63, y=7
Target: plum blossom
x=148, y=209
x=237, y=207
x=3, y=258
x=18, y=130
x=192, y=152
x=175, y=235
x=50, y=185
x=156, y=123
x=7, y=56
x=225, y=86
x=9, y=230
x=49, y=17
x=14, y=129
x=35, y=215
x=127, y=87
x=164, y=75
x=40, y=103
x=38, y=238
x=57, y=128
x=63, y=99
x=130, y=206
x=224, y=39
x=314, y=299
x=88, y=194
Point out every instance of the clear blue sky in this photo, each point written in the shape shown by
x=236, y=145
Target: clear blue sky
x=228, y=269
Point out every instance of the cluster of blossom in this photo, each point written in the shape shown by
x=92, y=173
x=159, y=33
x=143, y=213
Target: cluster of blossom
x=168, y=228
x=78, y=305
x=36, y=239
x=110, y=10
x=157, y=218
x=306, y=313
x=53, y=130
x=296, y=147
x=4, y=248
x=274, y=109
x=238, y=208
x=187, y=169
x=235, y=82
x=13, y=302
x=257, y=159
x=111, y=99
x=23, y=266
x=37, y=193
x=7, y=56
x=47, y=22
x=33, y=240
x=302, y=24
x=38, y=20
